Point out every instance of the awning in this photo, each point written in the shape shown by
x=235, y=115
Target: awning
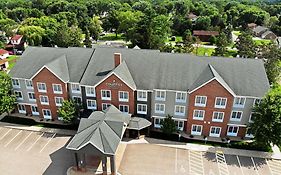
x=138, y=123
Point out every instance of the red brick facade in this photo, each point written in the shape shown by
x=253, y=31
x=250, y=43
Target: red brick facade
x=114, y=84
x=47, y=77
x=212, y=90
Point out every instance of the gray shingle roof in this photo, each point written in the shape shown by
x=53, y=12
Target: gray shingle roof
x=259, y=29
x=138, y=123
x=59, y=67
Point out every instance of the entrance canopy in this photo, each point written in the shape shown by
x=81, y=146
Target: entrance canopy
x=138, y=123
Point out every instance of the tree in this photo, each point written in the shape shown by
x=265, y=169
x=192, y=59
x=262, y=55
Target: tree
x=7, y=101
x=266, y=127
x=202, y=23
x=95, y=28
x=168, y=125
x=33, y=34
x=67, y=111
x=68, y=36
x=221, y=44
x=245, y=45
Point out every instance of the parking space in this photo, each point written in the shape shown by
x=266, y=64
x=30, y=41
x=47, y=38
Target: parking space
x=31, y=152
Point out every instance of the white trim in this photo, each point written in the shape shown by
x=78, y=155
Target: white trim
x=124, y=105
x=20, y=93
x=58, y=104
x=217, y=120
x=231, y=133
x=15, y=86
x=212, y=134
x=57, y=92
x=220, y=106
x=34, y=113
x=32, y=100
x=177, y=113
x=195, y=132
x=159, y=98
x=199, y=104
x=179, y=119
x=32, y=104
x=90, y=95
x=28, y=87
x=230, y=124
x=48, y=70
x=141, y=112
x=198, y=118
x=107, y=106
x=181, y=101
x=90, y=107
x=75, y=91
x=239, y=106
x=44, y=103
x=251, y=121
x=117, y=77
x=248, y=135
x=254, y=102
x=39, y=90
x=45, y=116
x=141, y=99
x=22, y=111
x=157, y=125
x=75, y=96
x=105, y=98
x=159, y=112
x=123, y=99
x=235, y=119
x=157, y=117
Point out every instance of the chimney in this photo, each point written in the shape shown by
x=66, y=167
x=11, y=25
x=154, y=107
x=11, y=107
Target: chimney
x=117, y=59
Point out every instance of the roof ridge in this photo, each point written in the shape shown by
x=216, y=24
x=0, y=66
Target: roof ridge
x=86, y=68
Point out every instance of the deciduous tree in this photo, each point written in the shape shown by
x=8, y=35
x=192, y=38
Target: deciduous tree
x=245, y=45
x=168, y=125
x=7, y=101
x=67, y=111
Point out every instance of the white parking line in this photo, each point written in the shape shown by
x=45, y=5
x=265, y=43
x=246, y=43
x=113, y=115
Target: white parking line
x=196, y=163
x=221, y=162
x=35, y=142
x=13, y=138
x=255, y=165
x=274, y=166
x=240, y=165
x=6, y=134
x=23, y=140
x=48, y=142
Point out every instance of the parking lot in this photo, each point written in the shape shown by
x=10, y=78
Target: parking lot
x=146, y=159
x=31, y=152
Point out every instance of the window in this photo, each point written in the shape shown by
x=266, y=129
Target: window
x=157, y=122
x=34, y=110
x=47, y=114
x=105, y=106
x=160, y=95
x=181, y=97
x=41, y=87
x=180, y=110
x=105, y=94
x=142, y=96
x=16, y=83
x=58, y=101
x=21, y=109
x=239, y=102
x=57, y=89
x=236, y=115
x=159, y=108
x=44, y=100
x=215, y=131
x=257, y=101
x=218, y=116
x=252, y=117
x=123, y=96
x=31, y=96
x=18, y=95
x=92, y=104
x=196, y=129
x=198, y=114
x=249, y=133
x=90, y=92
x=28, y=84
x=124, y=108
x=75, y=88
x=179, y=124
x=232, y=130
x=77, y=100
x=141, y=109
x=221, y=102
x=200, y=101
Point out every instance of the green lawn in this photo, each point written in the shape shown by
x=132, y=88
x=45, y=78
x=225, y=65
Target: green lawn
x=262, y=42
x=112, y=37
x=237, y=33
x=201, y=51
x=12, y=61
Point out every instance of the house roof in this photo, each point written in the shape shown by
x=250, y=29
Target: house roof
x=103, y=130
x=191, y=16
x=3, y=61
x=138, y=123
x=259, y=29
x=16, y=37
x=205, y=33
x=252, y=25
x=149, y=69
x=267, y=33
x=2, y=51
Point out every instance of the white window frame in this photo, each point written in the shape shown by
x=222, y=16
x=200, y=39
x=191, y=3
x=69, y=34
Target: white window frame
x=15, y=85
x=232, y=133
x=20, y=92
x=20, y=110
x=123, y=107
x=44, y=103
x=181, y=94
x=39, y=85
x=55, y=91
x=248, y=135
x=177, y=122
x=107, y=106
x=235, y=119
x=34, y=112
x=27, y=82
x=159, y=111
x=142, y=111
x=157, y=124
x=73, y=98
x=47, y=116
x=140, y=94
x=31, y=99
x=200, y=104
x=254, y=103
x=199, y=111
x=92, y=102
x=90, y=89
x=196, y=132
x=160, y=98
x=250, y=118
x=179, y=113
x=57, y=99
x=220, y=106
x=218, y=113
x=120, y=95
x=74, y=89
x=214, y=134
x=105, y=98
x=239, y=99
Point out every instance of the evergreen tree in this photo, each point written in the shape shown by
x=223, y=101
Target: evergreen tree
x=245, y=45
x=168, y=125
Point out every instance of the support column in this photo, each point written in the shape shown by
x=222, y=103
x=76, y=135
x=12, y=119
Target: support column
x=112, y=165
x=104, y=166
x=77, y=161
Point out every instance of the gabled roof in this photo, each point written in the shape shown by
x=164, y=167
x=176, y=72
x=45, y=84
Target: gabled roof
x=138, y=123
x=16, y=37
x=103, y=130
x=259, y=29
x=2, y=51
x=267, y=33
x=205, y=33
x=122, y=71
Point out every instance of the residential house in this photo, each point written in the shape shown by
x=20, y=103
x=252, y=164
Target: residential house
x=206, y=96
x=4, y=64
x=251, y=25
x=192, y=17
x=16, y=43
x=204, y=35
x=268, y=35
x=16, y=40
x=3, y=54
x=259, y=30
